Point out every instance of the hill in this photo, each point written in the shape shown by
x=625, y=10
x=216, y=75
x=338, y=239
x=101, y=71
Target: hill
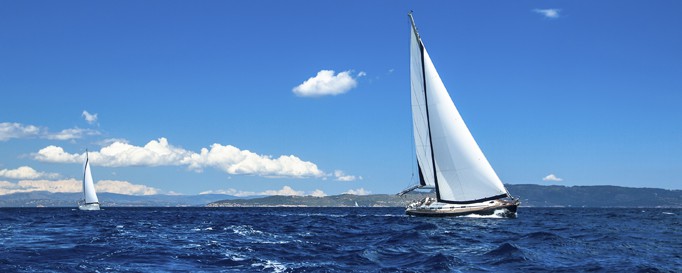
x=48, y=199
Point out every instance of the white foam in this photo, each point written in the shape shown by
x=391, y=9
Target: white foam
x=668, y=213
x=498, y=214
x=274, y=265
x=244, y=230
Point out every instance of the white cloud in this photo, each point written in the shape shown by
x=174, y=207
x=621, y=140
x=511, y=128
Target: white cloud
x=340, y=176
x=360, y=191
x=73, y=185
x=124, y=187
x=232, y=160
x=286, y=190
x=318, y=193
x=10, y=130
x=90, y=118
x=109, y=141
x=74, y=133
x=231, y=191
x=56, y=155
x=159, y=152
x=17, y=130
x=548, y=13
x=26, y=172
x=65, y=185
x=326, y=83
x=551, y=177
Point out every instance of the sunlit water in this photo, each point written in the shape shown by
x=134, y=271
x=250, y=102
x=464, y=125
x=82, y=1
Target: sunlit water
x=337, y=240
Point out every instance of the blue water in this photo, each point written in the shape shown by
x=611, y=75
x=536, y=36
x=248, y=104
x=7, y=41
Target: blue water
x=337, y=240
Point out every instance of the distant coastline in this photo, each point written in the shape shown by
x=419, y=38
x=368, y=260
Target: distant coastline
x=531, y=196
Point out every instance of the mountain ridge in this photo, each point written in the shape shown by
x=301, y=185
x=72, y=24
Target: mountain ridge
x=531, y=195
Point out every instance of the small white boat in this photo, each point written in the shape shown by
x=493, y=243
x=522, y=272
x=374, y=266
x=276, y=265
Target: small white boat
x=90, y=201
x=449, y=159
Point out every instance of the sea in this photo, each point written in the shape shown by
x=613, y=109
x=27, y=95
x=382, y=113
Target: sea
x=338, y=240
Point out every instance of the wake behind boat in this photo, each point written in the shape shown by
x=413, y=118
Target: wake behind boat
x=90, y=201
x=449, y=159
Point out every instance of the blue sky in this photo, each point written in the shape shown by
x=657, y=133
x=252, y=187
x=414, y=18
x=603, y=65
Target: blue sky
x=555, y=92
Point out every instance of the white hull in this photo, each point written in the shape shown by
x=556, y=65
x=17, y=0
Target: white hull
x=429, y=207
x=94, y=206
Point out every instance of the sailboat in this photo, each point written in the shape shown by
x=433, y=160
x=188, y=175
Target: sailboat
x=449, y=159
x=90, y=201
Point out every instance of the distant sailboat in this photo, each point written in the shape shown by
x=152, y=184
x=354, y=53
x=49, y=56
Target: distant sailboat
x=449, y=159
x=90, y=201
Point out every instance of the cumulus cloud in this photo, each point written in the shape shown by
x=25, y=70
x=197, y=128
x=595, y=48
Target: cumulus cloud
x=551, y=177
x=548, y=13
x=9, y=130
x=232, y=160
x=286, y=191
x=326, y=83
x=56, y=154
x=25, y=172
x=360, y=191
x=17, y=130
x=159, y=152
x=341, y=176
x=318, y=193
x=90, y=118
x=73, y=185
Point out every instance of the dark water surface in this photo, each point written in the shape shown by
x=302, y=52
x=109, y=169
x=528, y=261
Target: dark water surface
x=337, y=240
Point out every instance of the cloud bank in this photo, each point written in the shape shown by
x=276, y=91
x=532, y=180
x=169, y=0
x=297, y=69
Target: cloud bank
x=10, y=130
x=25, y=172
x=360, y=191
x=159, y=152
x=73, y=185
x=326, y=83
x=286, y=191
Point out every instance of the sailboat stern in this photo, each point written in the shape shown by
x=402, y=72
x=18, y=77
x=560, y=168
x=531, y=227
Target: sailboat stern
x=89, y=206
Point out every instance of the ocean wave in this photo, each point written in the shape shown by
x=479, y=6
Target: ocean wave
x=338, y=240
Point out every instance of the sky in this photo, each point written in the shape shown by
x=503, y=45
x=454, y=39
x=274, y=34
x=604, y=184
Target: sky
x=313, y=97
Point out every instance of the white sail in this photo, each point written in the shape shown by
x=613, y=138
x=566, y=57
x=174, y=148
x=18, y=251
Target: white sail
x=419, y=119
x=88, y=185
x=461, y=174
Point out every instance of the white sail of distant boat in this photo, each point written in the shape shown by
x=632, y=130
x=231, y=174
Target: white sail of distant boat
x=449, y=159
x=90, y=201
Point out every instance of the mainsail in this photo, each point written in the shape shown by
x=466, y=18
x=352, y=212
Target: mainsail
x=88, y=186
x=448, y=157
